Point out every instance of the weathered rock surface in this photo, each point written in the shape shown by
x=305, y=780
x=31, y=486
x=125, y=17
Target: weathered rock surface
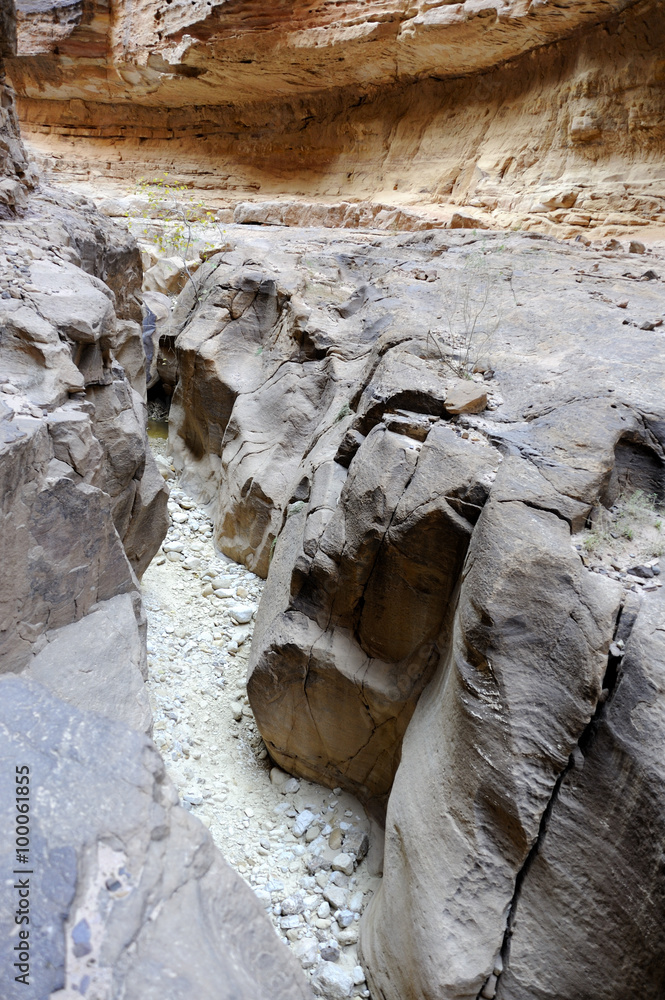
x=411, y=545
x=132, y=898
x=599, y=863
x=484, y=749
x=78, y=477
x=99, y=664
x=384, y=114
x=16, y=176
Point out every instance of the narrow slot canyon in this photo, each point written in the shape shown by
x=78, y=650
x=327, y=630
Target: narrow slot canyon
x=332, y=500
x=301, y=847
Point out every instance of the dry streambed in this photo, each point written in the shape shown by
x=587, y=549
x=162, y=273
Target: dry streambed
x=301, y=847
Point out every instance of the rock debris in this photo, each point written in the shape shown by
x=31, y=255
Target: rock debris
x=301, y=847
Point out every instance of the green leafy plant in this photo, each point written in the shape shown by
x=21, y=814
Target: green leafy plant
x=344, y=411
x=168, y=200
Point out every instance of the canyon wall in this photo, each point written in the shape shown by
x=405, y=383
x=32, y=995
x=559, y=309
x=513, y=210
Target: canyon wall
x=408, y=435
x=533, y=114
x=120, y=890
x=15, y=173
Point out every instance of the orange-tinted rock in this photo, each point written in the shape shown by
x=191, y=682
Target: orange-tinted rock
x=516, y=111
x=465, y=397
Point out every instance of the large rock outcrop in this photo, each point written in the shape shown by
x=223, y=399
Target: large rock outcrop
x=481, y=758
x=84, y=507
x=611, y=795
x=544, y=114
x=420, y=572
x=15, y=173
x=78, y=477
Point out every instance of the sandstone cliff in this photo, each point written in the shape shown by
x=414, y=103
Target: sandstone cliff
x=546, y=115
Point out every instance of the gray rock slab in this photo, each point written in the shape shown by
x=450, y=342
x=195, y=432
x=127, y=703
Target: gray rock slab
x=598, y=864
x=97, y=663
x=129, y=896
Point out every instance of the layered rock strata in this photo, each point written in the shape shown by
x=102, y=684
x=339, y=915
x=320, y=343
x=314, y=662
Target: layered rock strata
x=15, y=173
x=532, y=113
x=415, y=549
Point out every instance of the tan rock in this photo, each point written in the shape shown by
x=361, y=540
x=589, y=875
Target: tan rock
x=168, y=276
x=465, y=397
x=335, y=839
x=390, y=109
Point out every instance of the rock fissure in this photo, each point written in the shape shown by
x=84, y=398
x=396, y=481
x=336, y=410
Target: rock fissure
x=610, y=681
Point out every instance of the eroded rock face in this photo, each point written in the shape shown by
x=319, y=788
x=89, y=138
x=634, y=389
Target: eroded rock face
x=419, y=553
x=516, y=110
x=15, y=173
x=98, y=663
x=132, y=897
x=79, y=480
x=358, y=606
x=84, y=507
x=483, y=751
x=311, y=413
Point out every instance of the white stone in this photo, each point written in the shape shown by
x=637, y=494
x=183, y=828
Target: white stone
x=344, y=918
x=358, y=975
x=292, y=905
x=291, y=922
x=335, y=896
x=278, y=777
x=241, y=613
x=332, y=982
x=306, y=951
x=356, y=902
x=348, y=936
x=343, y=863
x=303, y=822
